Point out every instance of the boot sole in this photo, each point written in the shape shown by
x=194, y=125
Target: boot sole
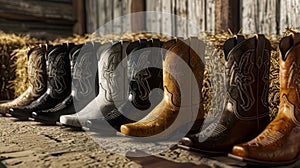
x=45, y=121
x=255, y=162
x=207, y=152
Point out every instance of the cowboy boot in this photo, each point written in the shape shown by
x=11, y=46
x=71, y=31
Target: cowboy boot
x=175, y=80
x=109, y=57
x=58, y=82
x=37, y=77
x=144, y=70
x=279, y=143
x=245, y=113
x=83, y=69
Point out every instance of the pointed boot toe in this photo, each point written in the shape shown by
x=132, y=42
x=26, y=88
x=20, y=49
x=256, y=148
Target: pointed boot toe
x=70, y=120
x=19, y=113
x=136, y=130
x=241, y=151
x=125, y=129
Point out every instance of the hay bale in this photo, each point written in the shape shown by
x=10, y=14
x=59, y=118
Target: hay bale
x=8, y=43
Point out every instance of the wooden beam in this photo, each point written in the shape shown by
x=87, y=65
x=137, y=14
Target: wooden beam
x=228, y=15
x=138, y=21
x=79, y=13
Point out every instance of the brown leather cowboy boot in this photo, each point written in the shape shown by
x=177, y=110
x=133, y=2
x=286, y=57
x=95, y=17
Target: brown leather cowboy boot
x=166, y=112
x=245, y=112
x=279, y=143
x=37, y=77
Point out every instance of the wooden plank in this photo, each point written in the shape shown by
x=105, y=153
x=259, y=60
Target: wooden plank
x=101, y=15
x=38, y=8
x=25, y=17
x=79, y=13
x=210, y=16
x=181, y=12
x=36, y=28
x=227, y=15
x=153, y=19
x=166, y=18
x=266, y=17
x=289, y=14
x=126, y=8
x=174, y=20
x=91, y=15
x=137, y=21
x=117, y=13
x=249, y=16
x=196, y=17
x=108, y=4
x=259, y=16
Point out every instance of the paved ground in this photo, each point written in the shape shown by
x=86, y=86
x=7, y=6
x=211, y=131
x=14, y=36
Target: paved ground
x=30, y=144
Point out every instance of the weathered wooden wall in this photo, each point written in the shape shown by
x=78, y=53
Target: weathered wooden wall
x=252, y=16
x=99, y=12
x=270, y=16
x=200, y=13
x=39, y=18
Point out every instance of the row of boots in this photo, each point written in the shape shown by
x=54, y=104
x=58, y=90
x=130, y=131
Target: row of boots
x=121, y=83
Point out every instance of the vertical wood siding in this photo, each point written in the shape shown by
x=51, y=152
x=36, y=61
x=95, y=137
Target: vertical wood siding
x=254, y=16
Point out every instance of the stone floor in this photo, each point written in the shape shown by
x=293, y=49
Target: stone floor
x=31, y=144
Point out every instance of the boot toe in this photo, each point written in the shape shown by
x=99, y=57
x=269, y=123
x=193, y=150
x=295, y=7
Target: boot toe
x=240, y=151
x=125, y=129
x=70, y=120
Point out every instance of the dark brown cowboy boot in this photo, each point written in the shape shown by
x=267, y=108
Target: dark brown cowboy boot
x=279, y=143
x=245, y=112
x=166, y=112
x=37, y=77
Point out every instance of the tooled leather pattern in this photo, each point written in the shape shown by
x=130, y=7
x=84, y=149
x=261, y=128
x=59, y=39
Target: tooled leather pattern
x=35, y=74
x=294, y=78
x=270, y=136
x=241, y=77
x=110, y=75
x=83, y=74
x=288, y=108
x=293, y=82
x=172, y=75
x=57, y=73
x=140, y=75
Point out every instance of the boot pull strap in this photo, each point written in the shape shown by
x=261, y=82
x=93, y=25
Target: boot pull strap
x=260, y=47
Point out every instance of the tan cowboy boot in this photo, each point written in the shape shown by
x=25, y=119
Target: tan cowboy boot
x=245, y=113
x=279, y=143
x=37, y=77
x=166, y=112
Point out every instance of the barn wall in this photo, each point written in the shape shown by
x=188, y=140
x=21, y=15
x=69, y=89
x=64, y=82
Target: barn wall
x=40, y=18
x=252, y=16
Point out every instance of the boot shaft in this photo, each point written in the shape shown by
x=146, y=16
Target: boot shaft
x=84, y=79
x=247, y=64
x=37, y=73
x=289, y=76
x=59, y=71
x=144, y=62
x=112, y=70
x=183, y=70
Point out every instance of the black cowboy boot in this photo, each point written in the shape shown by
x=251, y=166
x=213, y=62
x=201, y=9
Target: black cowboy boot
x=144, y=61
x=37, y=76
x=109, y=57
x=83, y=68
x=58, y=84
x=245, y=112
